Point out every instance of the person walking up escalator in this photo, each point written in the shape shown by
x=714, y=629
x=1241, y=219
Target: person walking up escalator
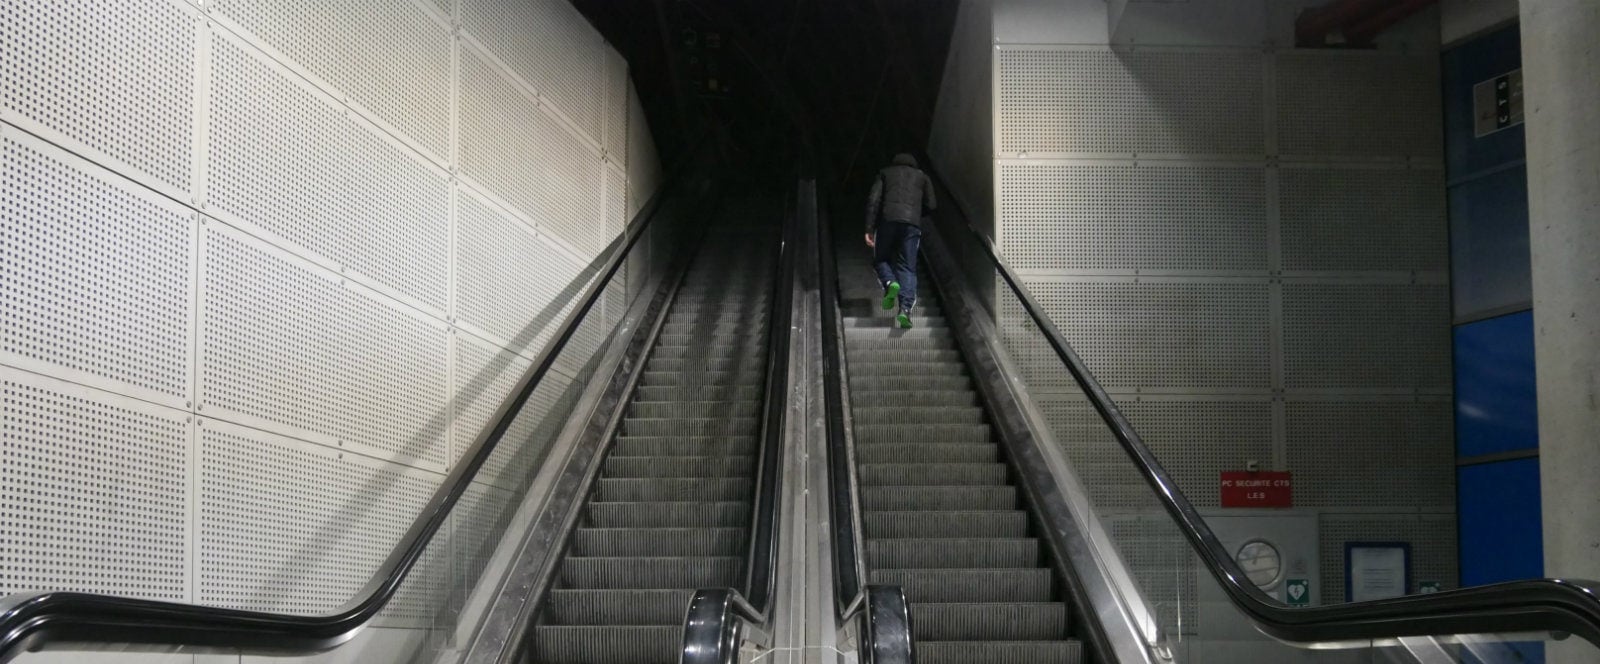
x=901, y=195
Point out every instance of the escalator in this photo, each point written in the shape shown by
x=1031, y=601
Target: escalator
x=940, y=510
x=671, y=511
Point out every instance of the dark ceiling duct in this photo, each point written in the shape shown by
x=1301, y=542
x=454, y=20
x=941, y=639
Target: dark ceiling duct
x=1352, y=23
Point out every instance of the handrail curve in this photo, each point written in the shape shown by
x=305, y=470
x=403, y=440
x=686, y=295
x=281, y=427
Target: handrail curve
x=1542, y=605
x=30, y=620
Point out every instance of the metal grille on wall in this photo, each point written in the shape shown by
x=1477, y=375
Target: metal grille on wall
x=1247, y=247
x=267, y=268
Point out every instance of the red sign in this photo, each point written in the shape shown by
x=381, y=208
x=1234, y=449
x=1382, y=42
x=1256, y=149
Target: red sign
x=1242, y=488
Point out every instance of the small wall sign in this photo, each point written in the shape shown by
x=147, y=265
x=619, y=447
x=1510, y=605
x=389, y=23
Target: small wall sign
x=1243, y=488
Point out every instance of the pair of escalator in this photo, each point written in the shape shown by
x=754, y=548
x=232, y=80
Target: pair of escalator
x=648, y=529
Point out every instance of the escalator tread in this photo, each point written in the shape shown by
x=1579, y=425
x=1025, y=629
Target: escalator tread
x=943, y=517
x=670, y=512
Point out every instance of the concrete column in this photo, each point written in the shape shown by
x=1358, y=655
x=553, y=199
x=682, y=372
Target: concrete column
x=1561, y=73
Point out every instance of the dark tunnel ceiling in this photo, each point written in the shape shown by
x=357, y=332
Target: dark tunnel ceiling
x=823, y=59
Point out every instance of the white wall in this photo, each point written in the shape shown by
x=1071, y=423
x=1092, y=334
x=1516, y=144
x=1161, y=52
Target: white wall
x=266, y=269
x=1245, y=242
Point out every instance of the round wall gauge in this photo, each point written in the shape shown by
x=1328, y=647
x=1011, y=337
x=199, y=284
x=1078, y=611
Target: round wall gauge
x=1261, y=562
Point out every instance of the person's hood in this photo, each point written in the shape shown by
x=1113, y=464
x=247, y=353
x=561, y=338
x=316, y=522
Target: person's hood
x=904, y=159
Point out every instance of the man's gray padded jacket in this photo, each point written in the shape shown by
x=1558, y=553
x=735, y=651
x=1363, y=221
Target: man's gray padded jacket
x=901, y=192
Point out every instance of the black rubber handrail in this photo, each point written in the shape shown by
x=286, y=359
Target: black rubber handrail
x=29, y=620
x=718, y=617
x=1542, y=605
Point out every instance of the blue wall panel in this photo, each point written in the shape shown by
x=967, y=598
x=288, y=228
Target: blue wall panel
x=1489, y=245
x=1480, y=60
x=1497, y=407
x=1501, y=537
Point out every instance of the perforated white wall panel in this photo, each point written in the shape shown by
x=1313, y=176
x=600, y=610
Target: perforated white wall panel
x=1196, y=439
x=1358, y=105
x=548, y=44
x=1189, y=102
x=1128, y=332
x=326, y=181
x=1363, y=219
x=1350, y=452
x=261, y=284
x=94, y=494
x=1366, y=336
x=616, y=127
x=290, y=526
x=290, y=346
x=96, y=274
x=115, y=78
x=501, y=127
x=1252, y=237
x=390, y=57
x=1127, y=217
x=509, y=281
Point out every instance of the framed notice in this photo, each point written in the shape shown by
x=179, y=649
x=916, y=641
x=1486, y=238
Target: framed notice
x=1376, y=570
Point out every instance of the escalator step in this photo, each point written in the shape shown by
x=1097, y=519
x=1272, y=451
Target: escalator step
x=962, y=397
x=679, y=466
x=617, y=607
x=685, y=351
x=931, y=452
x=707, y=378
x=693, y=409
x=870, y=384
x=664, y=573
x=1000, y=652
x=856, y=344
x=942, y=553
x=970, y=585
x=747, y=344
x=665, y=514
x=920, y=433
x=658, y=542
x=933, y=474
x=938, y=498
x=648, y=446
x=873, y=366
x=700, y=426
x=917, y=413
x=672, y=489
x=702, y=393
x=989, y=621
x=909, y=355
x=610, y=643
x=1012, y=523
x=886, y=332
x=704, y=364
x=919, y=320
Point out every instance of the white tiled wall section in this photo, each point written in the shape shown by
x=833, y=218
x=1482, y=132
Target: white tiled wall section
x=266, y=269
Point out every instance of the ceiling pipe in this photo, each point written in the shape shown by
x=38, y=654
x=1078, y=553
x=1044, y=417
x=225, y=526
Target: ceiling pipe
x=1356, y=21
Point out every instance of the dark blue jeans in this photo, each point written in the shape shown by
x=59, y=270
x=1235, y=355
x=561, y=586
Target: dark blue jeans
x=894, y=256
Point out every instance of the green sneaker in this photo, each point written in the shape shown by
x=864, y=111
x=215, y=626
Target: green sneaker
x=904, y=319
x=891, y=294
